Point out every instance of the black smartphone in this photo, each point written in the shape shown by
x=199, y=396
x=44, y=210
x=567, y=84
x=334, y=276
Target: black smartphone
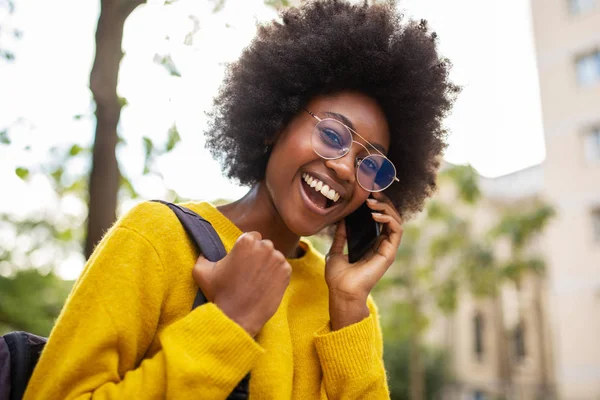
x=361, y=232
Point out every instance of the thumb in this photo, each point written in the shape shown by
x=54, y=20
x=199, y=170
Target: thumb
x=202, y=274
x=339, y=240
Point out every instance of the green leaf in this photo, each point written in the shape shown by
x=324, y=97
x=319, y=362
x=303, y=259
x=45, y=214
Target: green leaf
x=219, y=4
x=167, y=62
x=148, y=150
x=128, y=187
x=123, y=102
x=4, y=139
x=75, y=149
x=173, y=138
x=57, y=174
x=79, y=186
x=7, y=55
x=277, y=4
x=66, y=235
x=466, y=179
x=148, y=146
x=22, y=172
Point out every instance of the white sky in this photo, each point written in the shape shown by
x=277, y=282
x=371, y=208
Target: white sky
x=496, y=124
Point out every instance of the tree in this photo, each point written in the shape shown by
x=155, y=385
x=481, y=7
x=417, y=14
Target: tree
x=441, y=253
x=521, y=229
x=105, y=176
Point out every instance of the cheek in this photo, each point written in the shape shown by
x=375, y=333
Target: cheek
x=289, y=154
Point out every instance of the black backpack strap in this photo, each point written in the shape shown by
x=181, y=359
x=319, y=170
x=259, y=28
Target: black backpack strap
x=211, y=247
x=204, y=235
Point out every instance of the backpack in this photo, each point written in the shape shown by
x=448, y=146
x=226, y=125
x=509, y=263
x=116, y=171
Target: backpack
x=20, y=351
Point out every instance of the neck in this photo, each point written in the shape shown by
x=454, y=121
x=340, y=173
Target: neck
x=256, y=212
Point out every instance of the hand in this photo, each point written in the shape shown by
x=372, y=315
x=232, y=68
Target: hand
x=350, y=284
x=248, y=283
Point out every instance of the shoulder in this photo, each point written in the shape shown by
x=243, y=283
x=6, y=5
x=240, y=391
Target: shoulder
x=151, y=225
x=151, y=220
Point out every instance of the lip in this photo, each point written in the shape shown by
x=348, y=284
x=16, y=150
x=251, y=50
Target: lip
x=311, y=206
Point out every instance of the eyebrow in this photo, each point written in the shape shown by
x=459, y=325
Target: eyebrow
x=342, y=118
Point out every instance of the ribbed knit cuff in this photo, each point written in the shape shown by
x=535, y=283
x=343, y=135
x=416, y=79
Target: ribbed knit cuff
x=213, y=345
x=349, y=353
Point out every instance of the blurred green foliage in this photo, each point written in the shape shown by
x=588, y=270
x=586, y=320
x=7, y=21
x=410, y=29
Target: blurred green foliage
x=397, y=360
x=31, y=301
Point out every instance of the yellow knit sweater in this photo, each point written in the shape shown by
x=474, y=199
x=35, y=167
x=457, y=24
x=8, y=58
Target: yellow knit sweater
x=126, y=331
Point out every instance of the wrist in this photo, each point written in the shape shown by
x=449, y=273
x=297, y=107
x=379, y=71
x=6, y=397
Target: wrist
x=344, y=311
x=247, y=323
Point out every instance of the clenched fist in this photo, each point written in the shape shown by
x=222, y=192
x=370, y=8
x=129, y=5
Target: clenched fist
x=248, y=283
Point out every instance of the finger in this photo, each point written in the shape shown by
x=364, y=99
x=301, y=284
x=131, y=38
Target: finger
x=393, y=233
x=384, y=206
x=201, y=273
x=390, y=226
x=339, y=240
x=249, y=237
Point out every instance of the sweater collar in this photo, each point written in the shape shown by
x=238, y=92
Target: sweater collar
x=229, y=233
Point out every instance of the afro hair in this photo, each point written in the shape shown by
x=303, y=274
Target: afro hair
x=328, y=46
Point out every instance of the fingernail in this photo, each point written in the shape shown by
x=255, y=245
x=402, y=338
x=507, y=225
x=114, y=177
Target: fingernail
x=376, y=214
x=371, y=201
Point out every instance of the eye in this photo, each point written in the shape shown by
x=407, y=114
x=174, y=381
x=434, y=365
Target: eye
x=369, y=164
x=330, y=136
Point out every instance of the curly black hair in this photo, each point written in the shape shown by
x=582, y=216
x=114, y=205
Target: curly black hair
x=328, y=46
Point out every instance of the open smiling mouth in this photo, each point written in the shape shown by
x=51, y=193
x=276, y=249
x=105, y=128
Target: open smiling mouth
x=318, y=193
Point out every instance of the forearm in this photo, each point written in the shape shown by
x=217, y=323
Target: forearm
x=204, y=352
x=345, y=312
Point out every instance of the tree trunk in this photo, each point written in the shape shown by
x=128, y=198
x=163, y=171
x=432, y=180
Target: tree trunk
x=504, y=359
x=545, y=388
x=105, y=176
x=417, y=379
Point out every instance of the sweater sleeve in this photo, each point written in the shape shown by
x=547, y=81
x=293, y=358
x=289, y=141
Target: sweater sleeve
x=352, y=360
x=97, y=348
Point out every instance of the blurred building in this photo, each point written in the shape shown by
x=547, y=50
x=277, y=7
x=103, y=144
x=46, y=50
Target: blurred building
x=501, y=346
x=567, y=39
x=543, y=341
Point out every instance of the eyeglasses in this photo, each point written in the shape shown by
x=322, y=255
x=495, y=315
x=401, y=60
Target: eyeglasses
x=332, y=139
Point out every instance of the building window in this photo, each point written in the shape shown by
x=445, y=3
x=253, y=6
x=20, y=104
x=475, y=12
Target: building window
x=588, y=68
x=591, y=144
x=519, y=342
x=478, y=336
x=479, y=395
x=580, y=6
x=596, y=225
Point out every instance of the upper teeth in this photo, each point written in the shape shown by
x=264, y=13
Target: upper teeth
x=319, y=186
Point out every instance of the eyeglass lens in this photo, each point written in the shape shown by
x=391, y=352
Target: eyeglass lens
x=331, y=140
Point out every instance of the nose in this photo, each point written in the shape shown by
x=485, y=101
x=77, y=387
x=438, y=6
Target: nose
x=344, y=167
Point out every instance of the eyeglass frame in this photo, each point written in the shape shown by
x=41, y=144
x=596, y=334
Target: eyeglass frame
x=357, y=162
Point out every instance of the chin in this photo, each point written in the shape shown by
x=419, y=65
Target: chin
x=303, y=228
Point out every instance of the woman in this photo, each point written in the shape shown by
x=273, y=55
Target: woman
x=316, y=107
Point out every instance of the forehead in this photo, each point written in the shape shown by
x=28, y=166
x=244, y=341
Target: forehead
x=359, y=112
